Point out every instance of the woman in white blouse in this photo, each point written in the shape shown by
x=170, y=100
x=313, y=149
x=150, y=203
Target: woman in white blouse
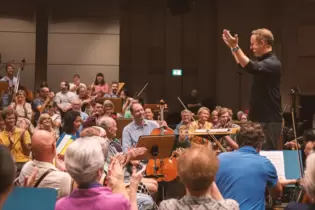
x=23, y=109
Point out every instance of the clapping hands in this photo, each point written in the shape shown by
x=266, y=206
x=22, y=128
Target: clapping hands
x=230, y=41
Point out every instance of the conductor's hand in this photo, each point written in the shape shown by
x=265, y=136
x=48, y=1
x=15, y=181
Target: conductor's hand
x=230, y=41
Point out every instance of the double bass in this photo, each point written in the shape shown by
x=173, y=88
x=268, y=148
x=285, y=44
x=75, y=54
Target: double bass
x=28, y=94
x=166, y=166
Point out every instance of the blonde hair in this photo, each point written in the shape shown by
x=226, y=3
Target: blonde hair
x=263, y=34
x=185, y=111
x=43, y=117
x=203, y=109
x=108, y=103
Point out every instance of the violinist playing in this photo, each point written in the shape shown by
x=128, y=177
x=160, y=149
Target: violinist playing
x=224, y=115
x=182, y=129
x=12, y=81
x=202, y=123
x=86, y=99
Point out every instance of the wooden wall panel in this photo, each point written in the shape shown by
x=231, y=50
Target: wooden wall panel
x=83, y=39
x=207, y=45
x=17, y=37
x=153, y=42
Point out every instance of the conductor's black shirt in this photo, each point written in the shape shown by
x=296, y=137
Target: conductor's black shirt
x=265, y=99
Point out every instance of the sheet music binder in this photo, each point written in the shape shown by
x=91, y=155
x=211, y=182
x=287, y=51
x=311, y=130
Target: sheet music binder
x=62, y=144
x=291, y=163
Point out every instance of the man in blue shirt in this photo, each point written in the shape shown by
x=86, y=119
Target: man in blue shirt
x=244, y=175
x=138, y=127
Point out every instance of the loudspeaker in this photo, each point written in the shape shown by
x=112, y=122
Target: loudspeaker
x=179, y=7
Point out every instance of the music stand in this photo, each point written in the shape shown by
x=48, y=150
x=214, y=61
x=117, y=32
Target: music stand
x=158, y=147
x=4, y=87
x=118, y=103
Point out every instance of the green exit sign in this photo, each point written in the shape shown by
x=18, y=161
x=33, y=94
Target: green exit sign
x=177, y=72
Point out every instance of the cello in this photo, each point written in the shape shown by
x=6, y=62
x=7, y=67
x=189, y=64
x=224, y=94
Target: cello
x=166, y=166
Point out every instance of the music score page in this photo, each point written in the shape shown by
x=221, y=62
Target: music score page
x=277, y=159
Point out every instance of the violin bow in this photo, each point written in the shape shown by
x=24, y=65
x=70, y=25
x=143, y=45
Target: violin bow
x=144, y=87
x=297, y=143
x=211, y=135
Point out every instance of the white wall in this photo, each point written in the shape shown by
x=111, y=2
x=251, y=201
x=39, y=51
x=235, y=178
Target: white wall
x=83, y=39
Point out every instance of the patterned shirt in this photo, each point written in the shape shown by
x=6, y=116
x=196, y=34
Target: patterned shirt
x=200, y=203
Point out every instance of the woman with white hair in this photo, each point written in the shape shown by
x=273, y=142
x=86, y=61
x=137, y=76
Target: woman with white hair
x=84, y=161
x=308, y=183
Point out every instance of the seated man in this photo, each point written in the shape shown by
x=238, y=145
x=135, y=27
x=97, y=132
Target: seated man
x=197, y=167
x=44, y=153
x=244, y=174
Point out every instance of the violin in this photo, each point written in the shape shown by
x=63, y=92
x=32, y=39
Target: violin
x=166, y=166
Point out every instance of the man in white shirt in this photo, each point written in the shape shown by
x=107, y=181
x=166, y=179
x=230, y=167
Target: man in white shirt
x=64, y=98
x=48, y=176
x=76, y=83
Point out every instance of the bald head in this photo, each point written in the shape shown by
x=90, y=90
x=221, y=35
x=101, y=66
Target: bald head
x=43, y=145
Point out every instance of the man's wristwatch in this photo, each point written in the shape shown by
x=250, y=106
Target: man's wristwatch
x=234, y=49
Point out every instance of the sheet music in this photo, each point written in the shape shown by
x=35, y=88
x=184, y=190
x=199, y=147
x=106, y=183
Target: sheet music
x=223, y=130
x=63, y=143
x=277, y=159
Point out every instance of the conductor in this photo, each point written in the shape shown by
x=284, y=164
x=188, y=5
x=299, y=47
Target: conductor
x=265, y=102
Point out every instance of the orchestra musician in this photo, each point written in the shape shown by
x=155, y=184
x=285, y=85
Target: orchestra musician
x=127, y=99
x=109, y=108
x=224, y=115
x=148, y=114
x=86, y=100
x=76, y=82
x=113, y=91
x=214, y=117
x=182, y=129
x=97, y=113
x=12, y=81
x=202, y=123
x=138, y=127
x=250, y=171
x=241, y=116
x=16, y=139
x=23, y=109
x=40, y=103
x=100, y=87
x=64, y=97
x=265, y=103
